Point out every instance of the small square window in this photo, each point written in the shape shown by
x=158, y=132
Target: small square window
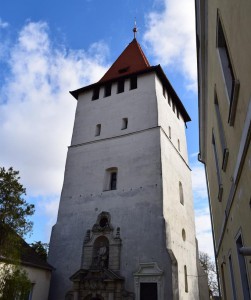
x=124, y=123
x=121, y=86
x=98, y=130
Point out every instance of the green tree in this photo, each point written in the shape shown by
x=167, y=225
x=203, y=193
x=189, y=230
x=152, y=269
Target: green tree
x=209, y=266
x=41, y=249
x=14, y=224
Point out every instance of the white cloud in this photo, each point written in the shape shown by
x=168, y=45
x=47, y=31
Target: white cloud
x=170, y=36
x=199, y=181
x=3, y=24
x=203, y=231
x=37, y=111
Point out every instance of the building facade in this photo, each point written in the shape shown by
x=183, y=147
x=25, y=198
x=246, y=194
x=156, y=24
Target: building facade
x=125, y=226
x=224, y=69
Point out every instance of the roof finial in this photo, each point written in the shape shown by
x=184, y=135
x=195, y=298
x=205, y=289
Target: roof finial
x=135, y=29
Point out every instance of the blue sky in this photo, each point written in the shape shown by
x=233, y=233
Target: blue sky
x=50, y=47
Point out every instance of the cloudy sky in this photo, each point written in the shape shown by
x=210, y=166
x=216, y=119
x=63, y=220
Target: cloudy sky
x=48, y=48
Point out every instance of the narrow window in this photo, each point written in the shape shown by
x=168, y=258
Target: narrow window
x=181, y=193
x=108, y=90
x=223, y=281
x=227, y=68
x=133, y=83
x=222, y=134
x=98, y=130
x=169, y=100
x=186, y=282
x=216, y=159
x=178, y=144
x=178, y=113
x=95, y=94
x=121, y=86
x=169, y=132
x=243, y=270
x=111, y=179
x=174, y=108
x=124, y=123
x=164, y=90
x=232, y=277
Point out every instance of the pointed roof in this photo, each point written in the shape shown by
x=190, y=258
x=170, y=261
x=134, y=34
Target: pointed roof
x=131, y=60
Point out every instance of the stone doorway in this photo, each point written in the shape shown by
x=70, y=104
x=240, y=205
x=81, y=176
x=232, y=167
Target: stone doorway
x=148, y=291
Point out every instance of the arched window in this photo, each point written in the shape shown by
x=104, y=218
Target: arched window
x=181, y=193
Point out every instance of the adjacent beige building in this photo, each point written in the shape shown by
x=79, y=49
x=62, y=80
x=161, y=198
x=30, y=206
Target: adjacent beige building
x=224, y=78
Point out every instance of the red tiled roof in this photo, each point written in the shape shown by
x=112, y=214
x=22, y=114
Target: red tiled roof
x=131, y=60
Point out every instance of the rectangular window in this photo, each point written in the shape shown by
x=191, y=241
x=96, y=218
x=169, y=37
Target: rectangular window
x=232, y=84
x=148, y=291
x=243, y=270
x=133, y=83
x=223, y=281
x=95, y=94
x=232, y=277
x=216, y=158
x=108, y=90
x=113, y=180
x=169, y=132
x=98, y=130
x=222, y=133
x=169, y=100
x=121, y=86
x=164, y=90
x=186, y=282
x=124, y=123
x=174, y=108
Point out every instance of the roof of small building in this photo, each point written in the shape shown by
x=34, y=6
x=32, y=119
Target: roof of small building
x=133, y=61
x=28, y=256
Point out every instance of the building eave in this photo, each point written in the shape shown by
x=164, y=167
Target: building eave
x=160, y=73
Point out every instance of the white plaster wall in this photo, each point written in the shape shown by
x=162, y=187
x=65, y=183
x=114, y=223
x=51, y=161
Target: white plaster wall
x=138, y=105
x=41, y=280
x=167, y=117
x=135, y=207
x=178, y=216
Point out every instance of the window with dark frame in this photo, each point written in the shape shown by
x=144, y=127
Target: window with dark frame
x=111, y=176
x=121, y=86
x=108, y=90
x=225, y=60
x=224, y=148
x=217, y=165
x=243, y=270
x=95, y=94
x=133, y=83
x=113, y=180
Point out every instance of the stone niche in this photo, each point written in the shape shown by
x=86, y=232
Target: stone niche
x=99, y=275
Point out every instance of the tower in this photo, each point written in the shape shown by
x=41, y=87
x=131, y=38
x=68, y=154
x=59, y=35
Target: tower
x=125, y=227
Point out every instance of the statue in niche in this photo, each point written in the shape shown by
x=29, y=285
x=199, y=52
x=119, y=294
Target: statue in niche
x=101, y=253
